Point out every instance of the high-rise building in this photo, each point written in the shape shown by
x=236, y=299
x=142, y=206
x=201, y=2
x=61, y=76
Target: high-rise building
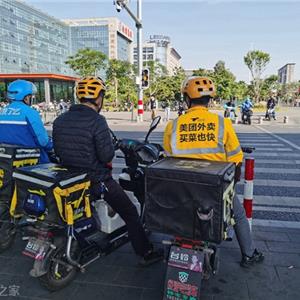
x=158, y=48
x=108, y=35
x=286, y=73
x=35, y=46
x=31, y=41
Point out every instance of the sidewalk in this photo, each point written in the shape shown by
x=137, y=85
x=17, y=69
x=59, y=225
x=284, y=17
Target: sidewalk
x=117, y=276
x=119, y=120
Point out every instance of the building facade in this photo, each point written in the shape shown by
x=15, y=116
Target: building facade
x=35, y=46
x=158, y=48
x=286, y=73
x=50, y=87
x=31, y=41
x=108, y=35
x=34, y=42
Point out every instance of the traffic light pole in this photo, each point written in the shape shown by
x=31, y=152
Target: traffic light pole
x=138, y=23
x=140, y=61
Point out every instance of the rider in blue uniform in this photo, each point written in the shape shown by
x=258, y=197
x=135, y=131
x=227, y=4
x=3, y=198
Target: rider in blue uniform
x=247, y=105
x=20, y=124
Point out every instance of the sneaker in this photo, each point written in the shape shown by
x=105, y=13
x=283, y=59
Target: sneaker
x=248, y=261
x=152, y=257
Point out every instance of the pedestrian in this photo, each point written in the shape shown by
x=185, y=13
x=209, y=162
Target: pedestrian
x=167, y=110
x=63, y=107
x=153, y=106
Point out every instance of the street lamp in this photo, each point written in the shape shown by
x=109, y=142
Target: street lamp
x=120, y=4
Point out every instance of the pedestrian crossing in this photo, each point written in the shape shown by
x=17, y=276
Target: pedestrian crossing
x=277, y=184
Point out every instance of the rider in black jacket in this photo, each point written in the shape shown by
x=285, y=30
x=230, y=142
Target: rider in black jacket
x=82, y=141
x=271, y=105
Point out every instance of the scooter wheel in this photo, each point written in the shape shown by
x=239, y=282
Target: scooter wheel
x=7, y=236
x=59, y=274
x=7, y=229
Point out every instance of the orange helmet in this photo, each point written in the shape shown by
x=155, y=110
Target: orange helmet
x=89, y=88
x=196, y=87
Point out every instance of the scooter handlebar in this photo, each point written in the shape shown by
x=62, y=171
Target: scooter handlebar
x=248, y=149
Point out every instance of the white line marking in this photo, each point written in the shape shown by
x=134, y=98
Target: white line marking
x=278, y=137
x=273, y=200
x=274, y=183
x=272, y=223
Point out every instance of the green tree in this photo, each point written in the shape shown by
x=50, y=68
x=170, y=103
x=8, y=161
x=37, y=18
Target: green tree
x=224, y=81
x=120, y=82
x=169, y=87
x=256, y=61
x=269, y=85
x=203, y=72
x=289, y=92
x=157, y=73
x=87, y=62
x=222, y=77
x=240, y=90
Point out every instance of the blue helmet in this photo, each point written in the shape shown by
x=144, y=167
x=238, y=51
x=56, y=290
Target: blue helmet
x=19, y=89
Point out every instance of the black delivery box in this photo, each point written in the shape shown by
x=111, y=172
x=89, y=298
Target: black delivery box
x=190, y=198
x=58, y=186
x=12, y=157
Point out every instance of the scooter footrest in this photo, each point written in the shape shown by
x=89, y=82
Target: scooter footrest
x=89, y=253
x=97, y=237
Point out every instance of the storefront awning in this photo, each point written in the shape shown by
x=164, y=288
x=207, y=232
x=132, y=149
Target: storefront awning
x=38, y=76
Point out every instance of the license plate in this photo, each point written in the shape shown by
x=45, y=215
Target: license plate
x=36, y=249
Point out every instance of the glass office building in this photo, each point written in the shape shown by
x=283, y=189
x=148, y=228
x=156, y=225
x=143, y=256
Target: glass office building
x=35, y=46
x=31, y=41
x=108, y=35
x=93, y=37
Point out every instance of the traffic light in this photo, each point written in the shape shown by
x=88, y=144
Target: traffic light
x=145, y=78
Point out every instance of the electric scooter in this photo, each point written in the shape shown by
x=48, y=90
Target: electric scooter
x=91, y=229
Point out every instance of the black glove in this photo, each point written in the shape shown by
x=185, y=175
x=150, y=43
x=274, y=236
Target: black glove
x=238, y=173
x=52, y=157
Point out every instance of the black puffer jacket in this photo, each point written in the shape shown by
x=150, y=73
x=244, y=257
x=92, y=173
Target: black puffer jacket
x=82, y=141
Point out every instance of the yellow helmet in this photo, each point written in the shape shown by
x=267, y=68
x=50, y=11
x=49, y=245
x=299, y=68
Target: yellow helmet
x=196, y=87
x=89, y=88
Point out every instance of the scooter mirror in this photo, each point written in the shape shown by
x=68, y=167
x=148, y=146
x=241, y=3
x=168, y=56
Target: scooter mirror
x=155, y=122
x=153, y=125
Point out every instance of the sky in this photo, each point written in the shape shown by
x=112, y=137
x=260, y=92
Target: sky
x=204, y=32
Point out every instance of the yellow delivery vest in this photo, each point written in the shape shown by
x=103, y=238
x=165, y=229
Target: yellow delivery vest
x=201, y=134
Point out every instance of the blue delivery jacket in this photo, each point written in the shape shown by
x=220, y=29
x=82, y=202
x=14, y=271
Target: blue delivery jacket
x=22, y=125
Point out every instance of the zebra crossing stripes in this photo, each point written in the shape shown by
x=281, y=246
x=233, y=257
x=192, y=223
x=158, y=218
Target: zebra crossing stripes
x=277, y=161
x=275, y=183
x=281, y=155
x=276, y=170
x=273, y=149
x=266, y=200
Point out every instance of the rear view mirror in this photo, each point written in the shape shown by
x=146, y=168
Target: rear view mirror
x=155, y=122
x=153, y=125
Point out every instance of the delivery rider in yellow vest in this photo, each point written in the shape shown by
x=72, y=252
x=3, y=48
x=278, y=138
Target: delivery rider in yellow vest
x=200, y=134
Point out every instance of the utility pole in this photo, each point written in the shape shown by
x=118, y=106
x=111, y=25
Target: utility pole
x=120, y=4
x=140, y=61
